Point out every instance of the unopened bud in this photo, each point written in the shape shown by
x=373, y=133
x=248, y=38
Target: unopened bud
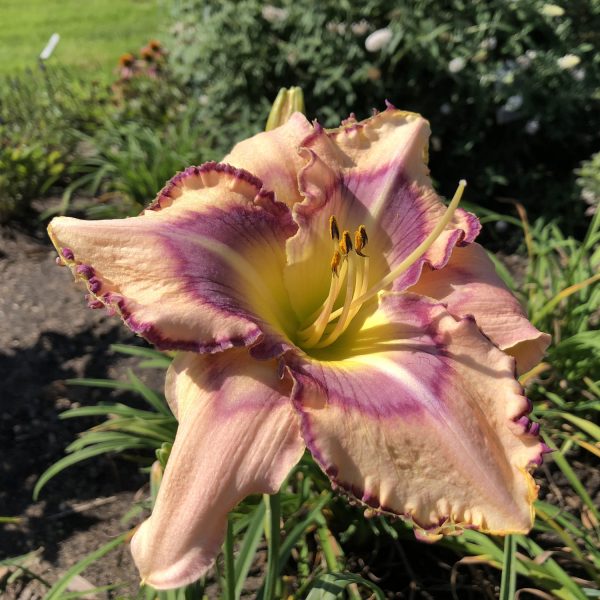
x=288, y=101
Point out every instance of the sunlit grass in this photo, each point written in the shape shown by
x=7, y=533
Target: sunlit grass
x=93, y=33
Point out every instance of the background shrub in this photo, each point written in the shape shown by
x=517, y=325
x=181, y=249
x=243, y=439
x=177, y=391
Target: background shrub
x=589, y=183
x=509, y=87
x=39, y=111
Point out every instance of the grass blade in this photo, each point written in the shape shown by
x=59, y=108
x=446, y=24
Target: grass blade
x=331, y=585
x=273, y=514
x=508, y=583
x=568, y=472
x=76, y=457
x=248, y=549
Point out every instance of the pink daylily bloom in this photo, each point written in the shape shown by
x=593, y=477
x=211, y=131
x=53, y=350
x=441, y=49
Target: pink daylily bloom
x=323, y=297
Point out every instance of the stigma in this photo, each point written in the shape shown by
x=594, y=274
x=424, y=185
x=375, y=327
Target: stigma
x=350, y=286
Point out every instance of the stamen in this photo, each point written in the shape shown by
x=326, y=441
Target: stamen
x=414, y=256
x=360, y=240
x=340, y=326
x=362, y=288
x=346, y=243
x=320, y=318
x=346, y=265
x=335, y=262
x=334, y=232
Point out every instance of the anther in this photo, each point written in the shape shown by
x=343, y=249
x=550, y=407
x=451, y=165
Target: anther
x=363, y=234
x=346, y=243
x=360, y=240
x=335, y=262
x=334, y=231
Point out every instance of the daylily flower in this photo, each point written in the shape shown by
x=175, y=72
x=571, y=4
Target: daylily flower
x=322, y=296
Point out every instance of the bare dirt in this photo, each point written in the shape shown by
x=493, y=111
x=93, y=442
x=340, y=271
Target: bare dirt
x=47, y=335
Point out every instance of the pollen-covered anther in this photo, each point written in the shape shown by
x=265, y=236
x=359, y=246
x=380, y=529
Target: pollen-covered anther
x=335, y=262
x=334, y=231
x=361, y=239
x=346, y=243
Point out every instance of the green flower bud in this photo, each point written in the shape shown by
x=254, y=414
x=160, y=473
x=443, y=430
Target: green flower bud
x=288, y=101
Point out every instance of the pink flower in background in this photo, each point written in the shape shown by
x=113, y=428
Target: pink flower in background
x=321, y=296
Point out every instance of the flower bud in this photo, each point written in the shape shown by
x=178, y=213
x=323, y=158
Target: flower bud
x=288, y=101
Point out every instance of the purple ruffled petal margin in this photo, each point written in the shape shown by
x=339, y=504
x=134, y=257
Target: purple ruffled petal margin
x=262, y=216
x=172, y=188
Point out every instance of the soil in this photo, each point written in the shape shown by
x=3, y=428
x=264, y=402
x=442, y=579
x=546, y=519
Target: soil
x=47, y=335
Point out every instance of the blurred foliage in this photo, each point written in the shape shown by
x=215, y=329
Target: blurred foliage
x=151, y=131
x=145, y=90
x=126, y=165
x=511, y=90
x=589, y=182
x=509, y=108
x=38, y=112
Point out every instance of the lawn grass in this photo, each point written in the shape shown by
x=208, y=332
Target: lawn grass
x=93, y=34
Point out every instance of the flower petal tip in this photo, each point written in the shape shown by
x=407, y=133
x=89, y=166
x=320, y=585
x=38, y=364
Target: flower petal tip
x=189, y=568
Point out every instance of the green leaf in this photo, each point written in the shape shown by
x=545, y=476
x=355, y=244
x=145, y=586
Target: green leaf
x=248, y=548
x=153, y=357
x=563, y=586
x=590, y=428
x=299, y=530
x=76, y=457
x=331, y=585
x=150, y=396
x=91, y=591
x=565, y=467
x=508, y=583
x=502, y=271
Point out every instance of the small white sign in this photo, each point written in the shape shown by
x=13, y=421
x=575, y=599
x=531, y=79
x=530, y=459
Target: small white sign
x=50, y=46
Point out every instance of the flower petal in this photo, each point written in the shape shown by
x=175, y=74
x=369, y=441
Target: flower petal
x=238, y=435
x=200, y=270
x=422, y=418
x=469, y=285
x=273, y=156
x=371, y=173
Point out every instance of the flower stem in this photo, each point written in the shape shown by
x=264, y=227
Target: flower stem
x=229, y=563
x=273, y=516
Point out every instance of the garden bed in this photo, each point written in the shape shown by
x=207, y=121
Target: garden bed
x=48, y=335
